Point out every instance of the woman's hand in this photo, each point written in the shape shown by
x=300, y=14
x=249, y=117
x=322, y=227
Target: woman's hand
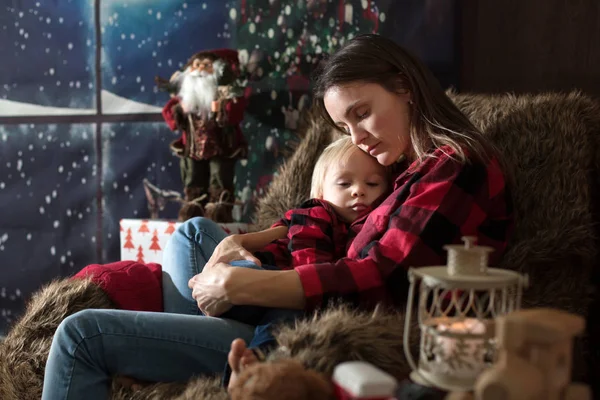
x=221, y=286
x=231, y=249
x=209, y=291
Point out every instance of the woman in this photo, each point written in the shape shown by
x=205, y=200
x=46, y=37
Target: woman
x=394, y=110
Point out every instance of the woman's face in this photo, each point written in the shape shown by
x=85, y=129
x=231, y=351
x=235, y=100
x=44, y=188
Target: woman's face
x=377, y=119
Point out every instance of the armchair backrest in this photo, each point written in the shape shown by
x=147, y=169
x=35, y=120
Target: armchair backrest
x=549, y=145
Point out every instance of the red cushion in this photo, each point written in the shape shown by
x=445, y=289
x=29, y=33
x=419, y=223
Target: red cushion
x=131, y=285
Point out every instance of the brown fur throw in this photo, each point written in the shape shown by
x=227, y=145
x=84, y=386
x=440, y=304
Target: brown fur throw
x=549, y=145
x=24, y=351
x=341, y=334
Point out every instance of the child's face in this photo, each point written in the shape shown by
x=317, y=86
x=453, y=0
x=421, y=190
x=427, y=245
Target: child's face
x=352, y=187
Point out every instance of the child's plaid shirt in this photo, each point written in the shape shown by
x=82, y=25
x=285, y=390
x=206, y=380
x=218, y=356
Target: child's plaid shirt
x=316, y=235
x=433, y=203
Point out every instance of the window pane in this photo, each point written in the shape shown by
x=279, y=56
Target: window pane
x=144, y=39
x=48, y=57
x=48, y=188
x=132, y=152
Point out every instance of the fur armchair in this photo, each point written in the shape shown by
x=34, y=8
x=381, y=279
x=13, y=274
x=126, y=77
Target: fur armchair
x=549, y=144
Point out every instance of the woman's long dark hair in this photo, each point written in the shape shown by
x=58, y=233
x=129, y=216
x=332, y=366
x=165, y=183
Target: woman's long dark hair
x=434, y=121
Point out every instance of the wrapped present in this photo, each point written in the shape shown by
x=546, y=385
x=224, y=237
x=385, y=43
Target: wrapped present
x=143, y=240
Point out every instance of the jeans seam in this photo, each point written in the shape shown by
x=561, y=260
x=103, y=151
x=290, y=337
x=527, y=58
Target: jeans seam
x=194, y=267
x=205, y=233
x=146, y=336
x=73, y=363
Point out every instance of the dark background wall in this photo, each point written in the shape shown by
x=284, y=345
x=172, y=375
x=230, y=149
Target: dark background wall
x=530, y=45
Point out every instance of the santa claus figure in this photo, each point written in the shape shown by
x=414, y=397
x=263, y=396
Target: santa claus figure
x=207, y=106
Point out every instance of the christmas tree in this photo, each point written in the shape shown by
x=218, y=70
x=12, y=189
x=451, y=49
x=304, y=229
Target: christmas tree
x=140, y=255
x=280, y=45
x=170, y=228
x=144, y=227
x=155, y=246
x=128, y=240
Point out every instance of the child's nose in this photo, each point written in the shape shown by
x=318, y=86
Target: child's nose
x=358, y=190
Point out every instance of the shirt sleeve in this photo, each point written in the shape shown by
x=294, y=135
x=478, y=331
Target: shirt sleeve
x=311, y=235
x=276, y=253
x=309, y=239
x=436, y=205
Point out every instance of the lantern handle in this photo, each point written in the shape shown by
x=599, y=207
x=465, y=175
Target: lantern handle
x=470, y=241
x=405, y=339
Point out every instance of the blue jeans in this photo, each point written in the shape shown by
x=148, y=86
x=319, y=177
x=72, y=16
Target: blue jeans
x=92, y=346
x=178, y=296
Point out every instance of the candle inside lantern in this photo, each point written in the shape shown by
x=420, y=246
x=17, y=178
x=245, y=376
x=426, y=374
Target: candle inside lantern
x=458, y=354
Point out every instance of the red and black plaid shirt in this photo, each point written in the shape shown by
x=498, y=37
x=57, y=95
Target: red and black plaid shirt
x=433, y=203
x=316, y=235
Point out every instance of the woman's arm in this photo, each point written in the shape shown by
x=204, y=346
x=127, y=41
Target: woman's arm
x=219, y=287
x=281, y=289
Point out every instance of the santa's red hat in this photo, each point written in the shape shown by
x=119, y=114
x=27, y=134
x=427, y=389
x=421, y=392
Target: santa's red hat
x=229, y=56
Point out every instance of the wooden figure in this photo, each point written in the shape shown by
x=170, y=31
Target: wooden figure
x=535, y=358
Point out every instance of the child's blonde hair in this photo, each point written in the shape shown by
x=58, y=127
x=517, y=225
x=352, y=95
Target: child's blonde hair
x=338, y=151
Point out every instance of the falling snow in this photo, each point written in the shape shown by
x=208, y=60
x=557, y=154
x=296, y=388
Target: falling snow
x=58, y=170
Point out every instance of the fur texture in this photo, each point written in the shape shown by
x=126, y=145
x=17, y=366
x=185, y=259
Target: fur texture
x=24, y=352
x=341, y=334
x=549, y=145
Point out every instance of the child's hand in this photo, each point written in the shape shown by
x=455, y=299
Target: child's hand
x=231, y=249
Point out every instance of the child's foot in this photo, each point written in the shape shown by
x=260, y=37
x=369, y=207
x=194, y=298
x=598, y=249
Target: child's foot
x=239, y=358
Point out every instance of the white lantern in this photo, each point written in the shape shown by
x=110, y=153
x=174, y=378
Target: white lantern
x=456, y=309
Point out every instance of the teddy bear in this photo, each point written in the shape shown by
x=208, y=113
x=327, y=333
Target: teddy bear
x=281, y=379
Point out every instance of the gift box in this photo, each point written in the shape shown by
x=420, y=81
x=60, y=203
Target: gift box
x=143, y=240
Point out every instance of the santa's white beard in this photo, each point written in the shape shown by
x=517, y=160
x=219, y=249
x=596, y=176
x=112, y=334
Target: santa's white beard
x=198, y=91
